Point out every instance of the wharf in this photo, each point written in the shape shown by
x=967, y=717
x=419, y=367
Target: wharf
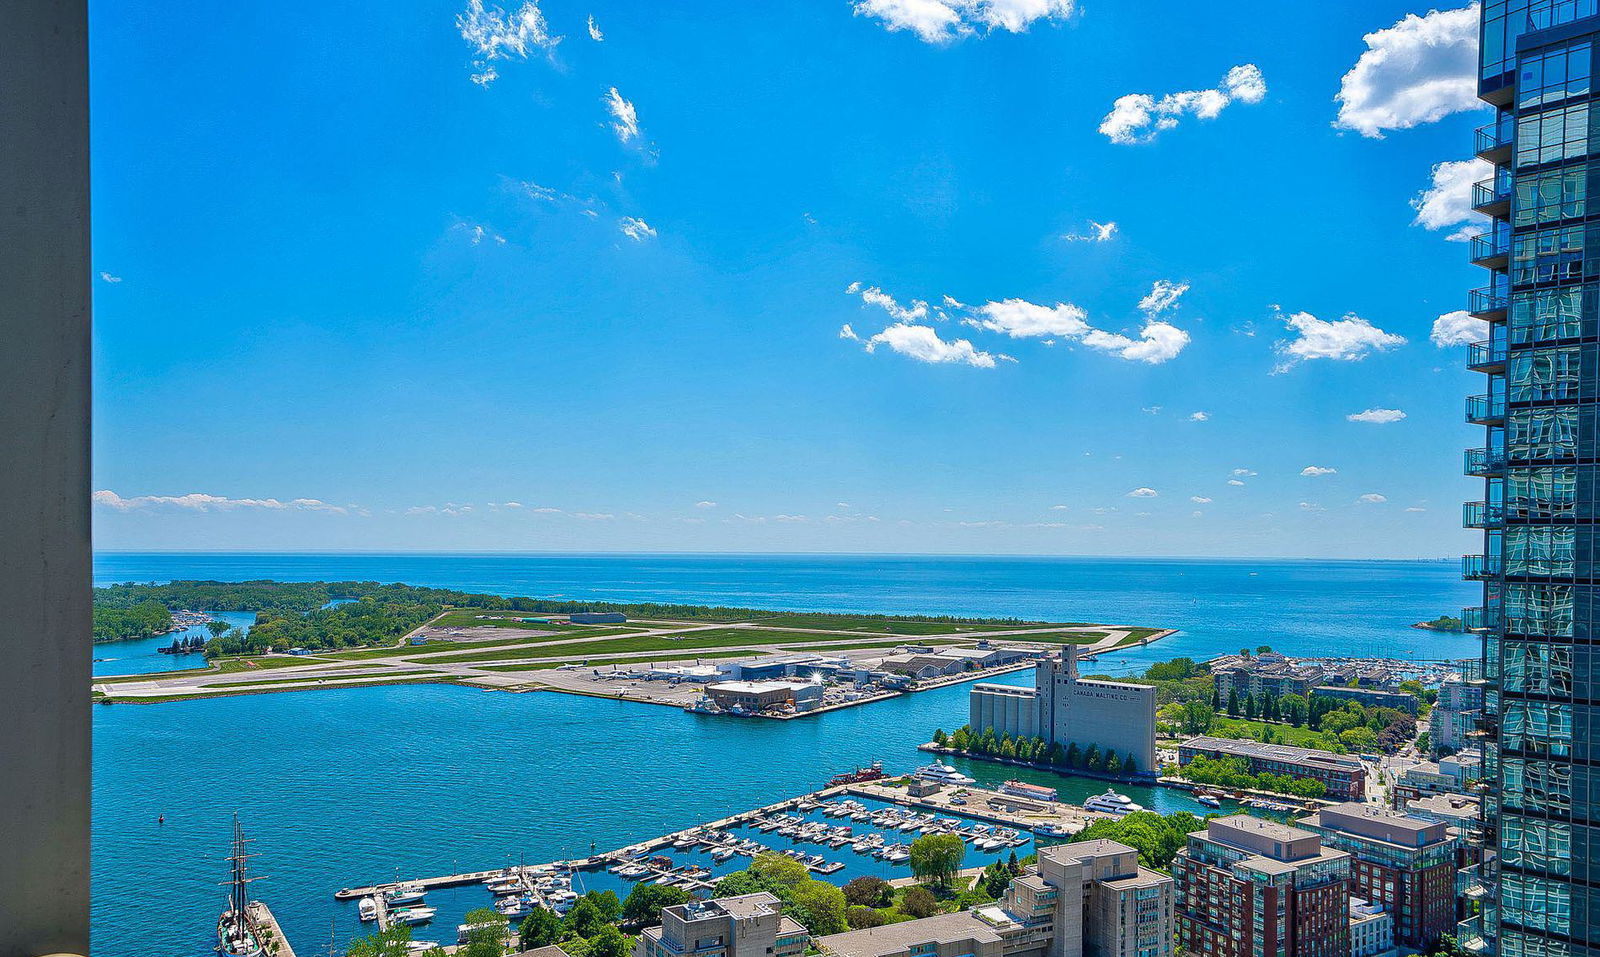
x=261, y=914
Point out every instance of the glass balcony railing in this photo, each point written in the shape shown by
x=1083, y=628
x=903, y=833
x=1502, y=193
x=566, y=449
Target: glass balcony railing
x=1485, y=462
x=1493, y=140
x=1482, y=514
x=1493, y=195
x=1485, y=408
x=1492, y=247
x=1470, y=937
x=1480, y=566
x=1487, y=354
x=1480, y=619
x=1487, y=302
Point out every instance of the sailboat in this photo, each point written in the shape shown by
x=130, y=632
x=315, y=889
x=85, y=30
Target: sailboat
x=238, y=934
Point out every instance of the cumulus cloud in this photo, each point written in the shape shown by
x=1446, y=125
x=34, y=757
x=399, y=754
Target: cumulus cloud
x=1020, y=319
x=924, y=344
x=1447, y=202
x=594, y=30
x=1458, y=329
x=1315, y=470
x=705, y=505
x=1158, y=342
x=1245, y=472
x=1310, y=507
x=1164, y=295
x=1417, y=71
x=636, y=229
x=1376, y=416
x=1414, y=508
x=1096, y=233
x=1200, y=500
x=494, y=35
x=943, y=21
x=1143, y=492
x=625, y=119
x=1141, y=117
x=202, y=502
x=1347, y=340
x=1235, y=483
x=1372, y=498
x=873, y=296
x=1199, y=416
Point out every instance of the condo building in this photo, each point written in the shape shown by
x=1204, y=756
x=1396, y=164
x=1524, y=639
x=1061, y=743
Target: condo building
x=1456, y=715
x=1066, y=709
x=1539, y=884
x=751, y=925
x=1249, y=887
x=1402, y=865
x=1344, y=776
x=1087, y=899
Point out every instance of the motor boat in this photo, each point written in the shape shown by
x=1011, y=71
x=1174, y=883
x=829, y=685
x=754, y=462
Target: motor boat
x=942, y=774
x=1209, y=800
x=367, y=909
x=404, y=894
x=1112, y=803
x=411, y=916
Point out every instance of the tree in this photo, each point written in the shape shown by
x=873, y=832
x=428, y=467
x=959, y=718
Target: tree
x=1233, y=701
x=962, y=739
x=1113, y=763
x=860, y=917
x=1091, y=758
x=778, y=870
x=1249, y=707
x=1264, y=650
x=935, y=858
x=1130, y=764
x=217, y=627
x=608, y=942
x=919, y=902
x=543, y=927
x=389, y=943
x=585, y=919
x=487, y=938
x=1216, y=697
x=869, y=892
x=820, y=906
x=939, y=738
x=1074, y=756
x=644, y=903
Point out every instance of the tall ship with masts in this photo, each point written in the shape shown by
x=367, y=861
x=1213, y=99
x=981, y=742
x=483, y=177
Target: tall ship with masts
x=238, y=932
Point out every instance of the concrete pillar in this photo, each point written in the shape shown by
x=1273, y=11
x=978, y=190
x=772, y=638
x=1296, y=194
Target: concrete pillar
x=44, y=478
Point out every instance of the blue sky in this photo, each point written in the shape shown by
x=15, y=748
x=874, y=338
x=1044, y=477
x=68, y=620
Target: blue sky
x=812, y=276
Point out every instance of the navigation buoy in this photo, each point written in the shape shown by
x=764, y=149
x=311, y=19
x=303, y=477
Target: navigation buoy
x=161, y=819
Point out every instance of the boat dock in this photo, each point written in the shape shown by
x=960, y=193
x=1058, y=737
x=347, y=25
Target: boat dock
x=261, y=917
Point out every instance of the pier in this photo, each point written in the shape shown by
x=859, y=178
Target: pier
x=267, y=926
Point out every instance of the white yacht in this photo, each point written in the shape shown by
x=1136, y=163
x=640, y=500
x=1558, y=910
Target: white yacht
x=942, y=774
x=368, y=909
x=1112, y=803
x=412, y=916
x=404, y=894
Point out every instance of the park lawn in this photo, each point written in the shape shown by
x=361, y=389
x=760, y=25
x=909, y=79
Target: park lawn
x=1301, y=737
x=712, y=638
x=604, y=662
x=1060, y=637
x=309, y=679
x=1136, y=635
x=497, y=618
x=890, y=626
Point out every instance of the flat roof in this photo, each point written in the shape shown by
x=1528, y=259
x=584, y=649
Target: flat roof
x=1272, y=830
x=1273, y=752
x=1078, y=850
x=751, y=687
x=894, y=938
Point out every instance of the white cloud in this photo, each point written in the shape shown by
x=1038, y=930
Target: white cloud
x=1157, y=343
x=1418, y=71
x=1310, y=507
x=1143, y=492
x=1414, y=508
x=1200, y=500
x=202, y=502
x=594, y=516
x=1140, y=117
x=636, y=229
x=1059, y=508
x=1151, y=410
x=1349, y=339
x=625, y=117
x=1447, y=202
x=496, y=35
x=1458, y=329
x=1244, y=472
x=1199, y=416
x=942, y=21
x=107, y=277
x=1236, y=483
x=594, y=30
x=874, y=296
x=705, y=505
x=1376, y=416
x=1372, y=498
x=1097, y=233
x=923, y=344
x=1163, y=295
x=1019, y=319
x=1315, y=470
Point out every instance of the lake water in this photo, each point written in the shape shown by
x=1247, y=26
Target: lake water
x=355, y=786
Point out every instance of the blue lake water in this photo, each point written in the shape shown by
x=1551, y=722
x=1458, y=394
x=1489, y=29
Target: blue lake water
x=141, y=656
x=354, y=786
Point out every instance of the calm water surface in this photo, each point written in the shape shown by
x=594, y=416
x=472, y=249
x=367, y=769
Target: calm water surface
x=360, y=785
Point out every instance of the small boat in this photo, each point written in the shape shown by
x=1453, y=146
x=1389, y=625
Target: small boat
x=1209, y=800
x=721, y=854
x=1052, y=830
x=411, y=916
x=404, y=894
x=513, y=907
x=940, y=773
x=1112, y=803
x=367, y=909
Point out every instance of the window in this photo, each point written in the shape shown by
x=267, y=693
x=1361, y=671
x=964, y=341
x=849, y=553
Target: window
x=1548, y=255
x=1545, y=314
x=1553, y=136
x=1554, y=75
x=1544, y=374
x=1550, y=195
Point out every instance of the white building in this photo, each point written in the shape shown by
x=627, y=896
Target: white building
x=1371, y=930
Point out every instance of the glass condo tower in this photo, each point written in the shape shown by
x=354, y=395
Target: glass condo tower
x=1536, y=892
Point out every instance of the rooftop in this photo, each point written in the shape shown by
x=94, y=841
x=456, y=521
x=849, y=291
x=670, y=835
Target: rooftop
x=1274, y=752
x=1378, y=824
x=895, y=938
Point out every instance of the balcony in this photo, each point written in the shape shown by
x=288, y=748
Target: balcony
x=1492, y=197
x=1492, y=141
x=1479, y=567
x=1488, y=355
x=1488, y=303
x=1480, y=619
x=1484, y=463
x=1492, y=250
x=1483, y=515
x=1470, y=937
x=1486, y=409
x=1473, y=884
